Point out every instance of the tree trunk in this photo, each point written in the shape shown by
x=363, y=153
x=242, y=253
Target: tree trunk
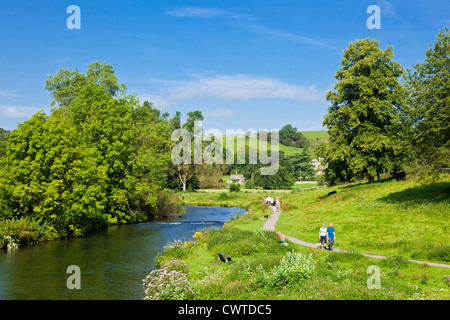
x=184, y=185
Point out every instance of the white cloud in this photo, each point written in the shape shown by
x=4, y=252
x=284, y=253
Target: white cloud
x=221, y=113
x=286, y=35
x=388, y=9
x=237, y=87
x=6, y=94
x=208, y=13
x=8, y=111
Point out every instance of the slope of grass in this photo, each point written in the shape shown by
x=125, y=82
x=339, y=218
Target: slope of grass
x=390, y=218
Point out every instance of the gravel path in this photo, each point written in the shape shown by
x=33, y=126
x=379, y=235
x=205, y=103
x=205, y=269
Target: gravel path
x=269, y=225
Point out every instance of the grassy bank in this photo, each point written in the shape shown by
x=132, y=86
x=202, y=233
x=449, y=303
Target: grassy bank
x=263, y=268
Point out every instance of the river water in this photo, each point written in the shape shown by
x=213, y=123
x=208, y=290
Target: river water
x=112, y=262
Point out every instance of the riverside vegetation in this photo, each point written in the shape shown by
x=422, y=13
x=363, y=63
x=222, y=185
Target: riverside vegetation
x=393, y=218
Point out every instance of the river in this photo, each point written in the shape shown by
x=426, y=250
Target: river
x=112, y=262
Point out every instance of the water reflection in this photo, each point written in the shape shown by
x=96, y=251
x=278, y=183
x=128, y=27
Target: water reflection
x=113, y=262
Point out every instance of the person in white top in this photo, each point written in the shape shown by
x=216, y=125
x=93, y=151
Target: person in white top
x=323, y=235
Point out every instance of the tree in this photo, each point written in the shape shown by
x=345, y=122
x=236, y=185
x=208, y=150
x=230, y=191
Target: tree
x=50, y=175
x=428, y=95
x=289, y=136
x=301, y=164
x=364, y=119
x=131, y=141
x=65, y=85
x=281, y=180
x=188, y=171
x=192, y=118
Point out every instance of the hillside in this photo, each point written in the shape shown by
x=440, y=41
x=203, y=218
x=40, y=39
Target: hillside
x=391, y=218
x=314, y=138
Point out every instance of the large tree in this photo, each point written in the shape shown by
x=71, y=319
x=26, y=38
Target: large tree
x=100, y=157
x=428, y=88
x=364, y=118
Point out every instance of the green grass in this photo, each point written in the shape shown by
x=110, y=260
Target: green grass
x=254, y=272
x=388, y=219
x=398, y=219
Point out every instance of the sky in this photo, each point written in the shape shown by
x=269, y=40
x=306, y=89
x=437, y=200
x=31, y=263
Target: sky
x=244, y=64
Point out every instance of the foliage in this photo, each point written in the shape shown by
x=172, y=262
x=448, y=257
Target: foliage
x=176, y=249
x=167, y=204
x=235, y=242
x=364, y=119
x=51, y=176
x=283, y=179
x=99, y=158
x=223, y=196
x=18, y=231
x=293, y=268
x=235, y=187
x=301, y=164
x=289, y=136
x=170, y=282
x=428, y=95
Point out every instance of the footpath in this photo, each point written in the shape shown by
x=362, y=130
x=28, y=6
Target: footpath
x=269, y=225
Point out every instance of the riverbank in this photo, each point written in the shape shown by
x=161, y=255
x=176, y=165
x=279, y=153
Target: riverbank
x=255, y=273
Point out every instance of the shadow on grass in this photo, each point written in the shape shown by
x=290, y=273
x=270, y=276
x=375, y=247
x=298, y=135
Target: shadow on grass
x=433, y=193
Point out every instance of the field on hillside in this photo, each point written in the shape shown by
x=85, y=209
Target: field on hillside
x=391, y=218
x=313, y=138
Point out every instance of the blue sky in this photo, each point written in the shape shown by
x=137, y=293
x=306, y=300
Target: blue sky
x=244, y=64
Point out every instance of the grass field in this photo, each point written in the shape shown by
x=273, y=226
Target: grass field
x=391, y=218
x=398, y=219
x=313, y=138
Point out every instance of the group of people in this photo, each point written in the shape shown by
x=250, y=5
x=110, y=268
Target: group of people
x=270, y=201
x=327, y=235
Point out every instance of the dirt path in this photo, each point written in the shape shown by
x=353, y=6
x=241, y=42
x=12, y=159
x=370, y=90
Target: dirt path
x=269, y=225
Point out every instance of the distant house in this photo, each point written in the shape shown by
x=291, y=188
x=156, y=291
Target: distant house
x=318, y=167
x=236, y=178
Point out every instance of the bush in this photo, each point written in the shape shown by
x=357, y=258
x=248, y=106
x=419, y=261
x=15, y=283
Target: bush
x=234, y=187
x=176, y=249
x=292, y=269
x=235, y=242
x=167, y=204
x=223, y=196
x=17, y=232
x=168, y=283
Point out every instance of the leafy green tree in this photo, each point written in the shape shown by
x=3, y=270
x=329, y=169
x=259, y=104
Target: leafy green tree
x=364, y=119
x=289, y=136
x=133, y=145
x=193, y=116
x=65, y=85
x=428, y=88
x=301, y=164
x=49, y=174
x=281, y=180
x=3, y=136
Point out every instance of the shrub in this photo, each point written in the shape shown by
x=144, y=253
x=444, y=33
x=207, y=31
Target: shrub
x=223, y=196
x=234, y=187
x=236, y=242
x=168, y=283
x=167, y=204
x=21, y=231
x=292, y=269
x=176, y=249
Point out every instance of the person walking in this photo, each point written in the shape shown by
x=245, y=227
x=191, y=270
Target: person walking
x=323, y=235
x=278, y=203
x=331, y=236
